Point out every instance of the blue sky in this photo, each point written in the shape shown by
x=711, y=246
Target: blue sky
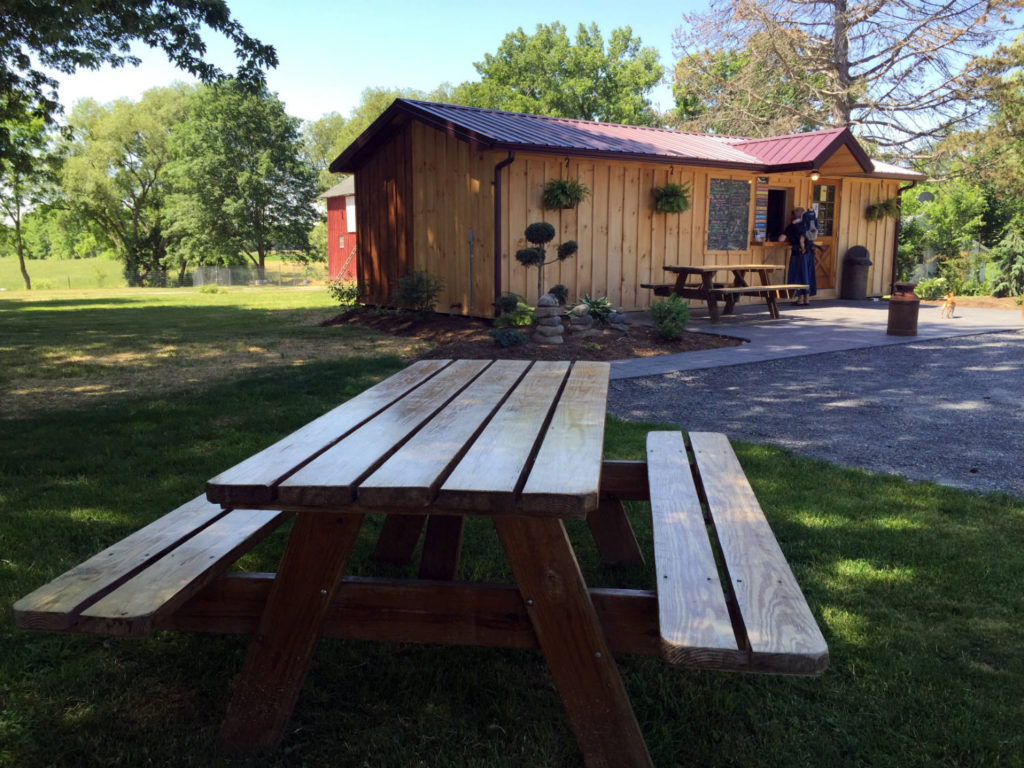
x=330, y=51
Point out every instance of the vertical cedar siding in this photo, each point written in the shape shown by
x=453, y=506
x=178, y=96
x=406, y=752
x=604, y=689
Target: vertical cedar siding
x=453, y=193
x=421, y=190
x=623, y=242
x=385, y=218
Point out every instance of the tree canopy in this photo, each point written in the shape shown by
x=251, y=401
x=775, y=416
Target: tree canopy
x=548, y=74
x=66, y=36
x=900, y=72
x=242, y=187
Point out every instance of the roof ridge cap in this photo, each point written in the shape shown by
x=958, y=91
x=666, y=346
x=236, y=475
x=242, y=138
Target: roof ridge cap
x=547, y=117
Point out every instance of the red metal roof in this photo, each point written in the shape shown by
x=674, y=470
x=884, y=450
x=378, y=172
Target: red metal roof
x=514, y=131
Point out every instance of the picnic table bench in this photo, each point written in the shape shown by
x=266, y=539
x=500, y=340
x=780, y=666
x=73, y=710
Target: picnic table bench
x=517, y=442
x=697, y=282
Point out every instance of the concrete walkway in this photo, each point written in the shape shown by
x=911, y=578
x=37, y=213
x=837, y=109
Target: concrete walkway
x=824, y=326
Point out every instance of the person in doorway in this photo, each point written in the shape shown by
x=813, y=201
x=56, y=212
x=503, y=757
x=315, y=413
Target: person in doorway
x=801, y=259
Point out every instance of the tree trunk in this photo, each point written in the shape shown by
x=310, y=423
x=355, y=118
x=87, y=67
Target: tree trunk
x=21, y=256
x=842, y=109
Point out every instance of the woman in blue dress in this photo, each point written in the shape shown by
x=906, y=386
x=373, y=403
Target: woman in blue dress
x=801, y=260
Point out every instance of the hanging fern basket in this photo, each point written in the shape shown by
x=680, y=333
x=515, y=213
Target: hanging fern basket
x=564, y=193
x=889, y=208
x=672, y=198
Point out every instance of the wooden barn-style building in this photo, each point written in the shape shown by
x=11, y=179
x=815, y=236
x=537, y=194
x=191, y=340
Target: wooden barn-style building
x=342, y=254
x=444, y=188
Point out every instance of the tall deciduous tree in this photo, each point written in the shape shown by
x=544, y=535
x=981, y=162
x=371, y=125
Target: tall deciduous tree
x=116, y=173
x=66, y=36
x=900, y=71
x=27, y=179
x=243, y=187
x=548, y=74
x=749, y=92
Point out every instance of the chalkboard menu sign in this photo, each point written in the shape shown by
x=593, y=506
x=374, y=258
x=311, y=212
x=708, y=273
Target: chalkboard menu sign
x=728, y=215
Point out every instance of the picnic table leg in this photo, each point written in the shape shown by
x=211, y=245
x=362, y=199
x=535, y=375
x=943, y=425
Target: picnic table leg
x=707, y=286
x=614, y=535
x=280, y=651
x=769, y=296
x=442, y=547
x=398, y=538
x=567, y=629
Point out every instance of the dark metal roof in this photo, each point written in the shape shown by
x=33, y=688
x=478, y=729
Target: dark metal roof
x=491, y=129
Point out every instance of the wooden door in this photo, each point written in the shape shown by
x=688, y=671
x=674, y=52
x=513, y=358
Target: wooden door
x=824, y=201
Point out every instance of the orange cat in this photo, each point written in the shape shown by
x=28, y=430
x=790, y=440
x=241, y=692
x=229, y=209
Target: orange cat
x=948, y=306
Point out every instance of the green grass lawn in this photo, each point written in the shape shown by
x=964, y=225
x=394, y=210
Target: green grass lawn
x=144, y=395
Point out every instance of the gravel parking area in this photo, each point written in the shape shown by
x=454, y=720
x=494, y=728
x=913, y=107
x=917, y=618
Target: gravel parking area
x=949, y=410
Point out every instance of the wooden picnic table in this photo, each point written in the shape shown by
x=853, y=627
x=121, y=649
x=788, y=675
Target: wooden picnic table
x=707, y=290
x=518, y=442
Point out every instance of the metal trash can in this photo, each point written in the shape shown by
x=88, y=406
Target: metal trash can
x=855, y=274
x=903, y=308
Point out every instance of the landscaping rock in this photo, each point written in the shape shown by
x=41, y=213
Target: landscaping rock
x=550, y=330
x=547, y=300
x=539, y=339
x=547, y=311
x=550, y=321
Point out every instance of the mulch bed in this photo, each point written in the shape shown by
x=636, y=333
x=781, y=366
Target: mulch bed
x=468, y=338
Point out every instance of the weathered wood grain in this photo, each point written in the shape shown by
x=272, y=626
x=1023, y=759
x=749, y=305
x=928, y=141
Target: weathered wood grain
x=780, y=628
x=56, y=606
x=254, y=479
x=692, y=612
x=411, y=476
x=329, y=480
x=132, y=608
x=571, y=638
x=574, y=439
x=488, y=476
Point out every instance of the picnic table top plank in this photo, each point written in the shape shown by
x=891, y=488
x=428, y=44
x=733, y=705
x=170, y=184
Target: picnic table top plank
x=252, y=481
x=574, y=438
x=698, y=269
x=759, y=288
x=413, y=474
x=331, y=477
x=696, y=628
x=57, y=605
x=488, y=476
x=780, y=627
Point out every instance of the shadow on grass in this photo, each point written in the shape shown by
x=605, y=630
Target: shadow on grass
x=916, y=588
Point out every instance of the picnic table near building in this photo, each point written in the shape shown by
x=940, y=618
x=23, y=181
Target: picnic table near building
x=697, y=282
x=517, y=442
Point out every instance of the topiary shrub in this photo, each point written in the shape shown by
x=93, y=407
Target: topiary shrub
x=417, y=291
x=560, y=292
x=564, y=193
x=670, y=317
x=512, y=311
x=541, y=233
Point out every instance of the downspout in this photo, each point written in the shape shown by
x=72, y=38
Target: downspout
x=497, y=226
x=896, y=237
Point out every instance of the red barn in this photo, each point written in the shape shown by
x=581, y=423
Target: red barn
x=341, y=230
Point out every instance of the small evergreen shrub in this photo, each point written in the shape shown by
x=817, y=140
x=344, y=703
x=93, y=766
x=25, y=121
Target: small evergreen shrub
x=560, y=292
x=508, y=337
x=512, y=311
x=670, y=317
x=417, y=291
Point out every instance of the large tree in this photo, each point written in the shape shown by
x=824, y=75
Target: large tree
x=243, y=188
x=748, y=92
x=548, y=74
x=116, y=173
x=28, y=179
x=66, y=36
x=899, y=71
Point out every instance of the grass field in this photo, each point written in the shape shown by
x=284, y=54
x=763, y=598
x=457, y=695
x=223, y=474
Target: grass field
x=79, y=274
x=134, y=398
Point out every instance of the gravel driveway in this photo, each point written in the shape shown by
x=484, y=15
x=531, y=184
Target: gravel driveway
x=948, y=410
